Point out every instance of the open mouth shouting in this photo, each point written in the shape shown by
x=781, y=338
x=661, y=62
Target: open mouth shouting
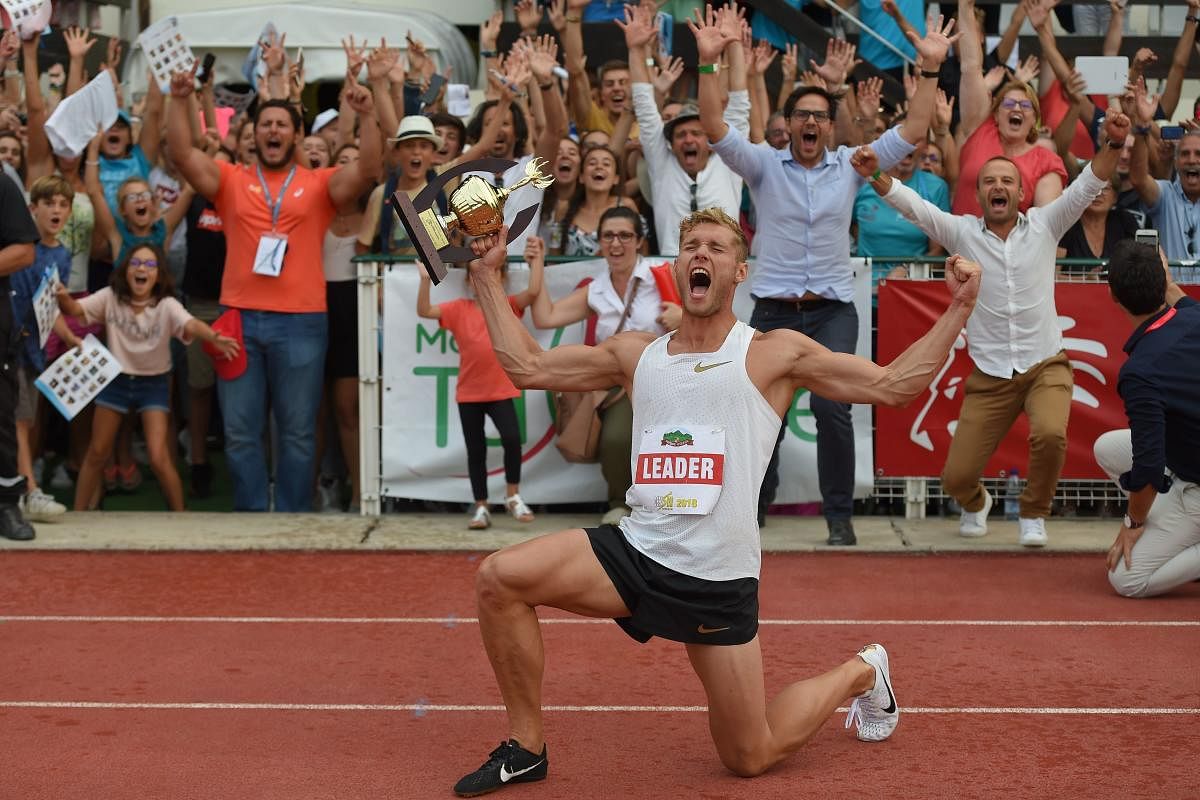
x=998, y=202
x=1189, y=173
x=272, y=149
x=699, y=282
x=810, y=138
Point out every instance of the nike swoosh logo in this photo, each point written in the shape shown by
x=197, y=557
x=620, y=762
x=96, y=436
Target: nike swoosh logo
x=891, y=709
x=506, y=776
x=706, y=367
x=702, y=628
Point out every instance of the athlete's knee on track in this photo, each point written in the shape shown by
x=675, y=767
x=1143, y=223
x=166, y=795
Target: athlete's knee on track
x=1127, y=583
x=744, y=761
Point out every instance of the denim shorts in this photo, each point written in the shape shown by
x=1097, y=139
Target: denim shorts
x=136, y=393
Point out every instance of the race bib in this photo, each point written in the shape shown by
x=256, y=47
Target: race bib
x=680, y=469
x=269, y=258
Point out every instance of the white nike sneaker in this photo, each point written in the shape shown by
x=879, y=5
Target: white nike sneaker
x=1033, y=532
x=973, y=524
x=39, y=506
x=875, y=711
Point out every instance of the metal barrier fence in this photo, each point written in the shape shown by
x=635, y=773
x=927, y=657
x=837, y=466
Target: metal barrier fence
x=918, y=494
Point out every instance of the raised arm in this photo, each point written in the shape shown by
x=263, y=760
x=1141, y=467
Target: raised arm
x=1142, y=107
x=579, y=88
x=425, y=308
x=535, y=257
x=354, y=179
x=543, y=57
x=39, y=160
x=711, y=39
x=79, y=41
x=937, y=224
x=151, y=133
x=193, y=164
x=548, y=313
x=380, y=63
x=569, y=368
x=1008, y=39
x=1063, y=212
x=106, y=226
x=1116, y=28
x=1179, y=62
x=975, y=101
x=931, y=51
x=853, y=379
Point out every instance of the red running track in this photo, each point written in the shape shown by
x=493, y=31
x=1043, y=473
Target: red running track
x=359, y=648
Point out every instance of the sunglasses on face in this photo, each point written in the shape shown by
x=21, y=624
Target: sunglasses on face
x=624, y=236
x=803, y=114
x=1010, y=104
x=135, y=196
x=148, y=263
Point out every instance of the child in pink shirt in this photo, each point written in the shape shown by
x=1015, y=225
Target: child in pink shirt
x=141, y=314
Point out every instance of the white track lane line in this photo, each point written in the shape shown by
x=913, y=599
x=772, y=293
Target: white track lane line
x=420, y=708
x=452, y=620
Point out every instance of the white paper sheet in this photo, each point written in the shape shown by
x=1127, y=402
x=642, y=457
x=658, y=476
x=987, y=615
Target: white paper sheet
x=74, y=380
x=29, y=17
x=45, y=305
x=166, y=50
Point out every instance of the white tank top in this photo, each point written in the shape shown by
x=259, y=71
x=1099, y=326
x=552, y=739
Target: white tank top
x=702, y=436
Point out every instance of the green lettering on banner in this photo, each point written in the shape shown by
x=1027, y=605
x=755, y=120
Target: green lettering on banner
x=800, y=409
x=437, y=340
x=443, y=375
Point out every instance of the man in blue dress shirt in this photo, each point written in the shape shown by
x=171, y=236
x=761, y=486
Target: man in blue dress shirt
x=1156, y=460
x=805, y=194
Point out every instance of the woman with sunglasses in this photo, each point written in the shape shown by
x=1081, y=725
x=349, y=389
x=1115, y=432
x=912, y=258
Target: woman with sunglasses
x=1009, y=129
x=622, y=298
x=140, y=314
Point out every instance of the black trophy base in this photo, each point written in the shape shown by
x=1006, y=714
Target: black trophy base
x=427, y=252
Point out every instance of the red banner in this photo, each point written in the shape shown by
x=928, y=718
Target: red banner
x=913, y=441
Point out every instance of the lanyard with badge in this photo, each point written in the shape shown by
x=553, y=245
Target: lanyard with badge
x=272, y=246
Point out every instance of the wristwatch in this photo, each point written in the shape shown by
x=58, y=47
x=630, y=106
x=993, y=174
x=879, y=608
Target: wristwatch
x=1133, y=524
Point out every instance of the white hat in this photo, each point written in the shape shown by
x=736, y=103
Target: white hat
x=417, y=127
x=324, y=118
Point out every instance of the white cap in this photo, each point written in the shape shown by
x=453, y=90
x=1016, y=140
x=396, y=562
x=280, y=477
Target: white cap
x=324, y=118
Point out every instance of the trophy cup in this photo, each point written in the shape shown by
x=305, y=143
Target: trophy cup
x=476, y=209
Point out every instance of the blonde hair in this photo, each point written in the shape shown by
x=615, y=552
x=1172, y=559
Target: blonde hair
x=1027, y=90
x=715, y=216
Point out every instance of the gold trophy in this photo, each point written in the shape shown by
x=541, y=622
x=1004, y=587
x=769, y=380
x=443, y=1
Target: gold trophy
x=476, y=208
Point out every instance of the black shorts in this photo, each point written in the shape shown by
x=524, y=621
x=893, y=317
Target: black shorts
x=672, y=605
x=341, y=357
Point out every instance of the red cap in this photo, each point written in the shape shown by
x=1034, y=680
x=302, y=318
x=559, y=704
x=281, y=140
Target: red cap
x=228, y=324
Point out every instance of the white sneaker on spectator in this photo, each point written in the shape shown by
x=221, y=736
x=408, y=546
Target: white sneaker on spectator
x=1033, y=532
x=39, y=506
x=973, y=524
x=61, y=479
x=480, y=519
x=875, y=711
x=516, y=506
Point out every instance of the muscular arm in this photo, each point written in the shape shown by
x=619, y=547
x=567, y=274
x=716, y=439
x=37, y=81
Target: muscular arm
x=852, y=379
x=569, y=368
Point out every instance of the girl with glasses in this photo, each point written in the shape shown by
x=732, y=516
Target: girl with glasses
x=140, y=314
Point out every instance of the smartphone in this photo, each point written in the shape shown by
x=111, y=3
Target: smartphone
x=1171, y=132
x=436, y=82
x=206, y=68
x=1147, y=236
x=300, y=64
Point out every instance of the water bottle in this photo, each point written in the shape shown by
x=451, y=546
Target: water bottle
x=1012, y=495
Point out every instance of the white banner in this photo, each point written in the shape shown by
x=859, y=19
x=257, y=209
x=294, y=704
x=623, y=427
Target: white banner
x=423, y=455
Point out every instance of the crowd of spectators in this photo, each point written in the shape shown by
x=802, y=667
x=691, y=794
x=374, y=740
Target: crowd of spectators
x=265, y=219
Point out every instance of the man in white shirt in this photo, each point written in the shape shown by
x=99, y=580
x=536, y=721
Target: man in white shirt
x=684, y=172
x=1013, y=334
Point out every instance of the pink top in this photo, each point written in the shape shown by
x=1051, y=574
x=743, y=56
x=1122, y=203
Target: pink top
x=140, y=341
x=983, y=144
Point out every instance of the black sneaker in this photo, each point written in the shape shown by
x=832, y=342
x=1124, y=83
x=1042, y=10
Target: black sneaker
x=508, y=763
x=13, y=525
x=841, y=533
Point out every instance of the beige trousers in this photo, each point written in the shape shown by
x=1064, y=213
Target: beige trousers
x=990, y=406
